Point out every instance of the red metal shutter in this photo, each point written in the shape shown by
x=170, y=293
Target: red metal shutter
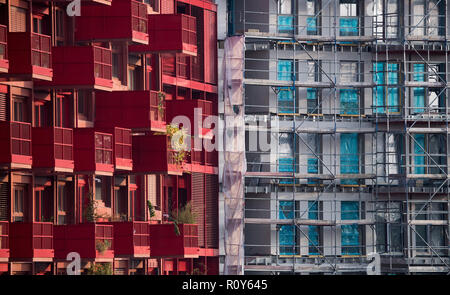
x=212, y=211
x=4, y=196
x=198, y=205
x=3, y=107
x=167, y=7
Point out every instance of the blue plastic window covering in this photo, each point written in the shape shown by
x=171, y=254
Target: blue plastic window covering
x=285, y=23
x=378, y=91
x=285, y=94
x=348, y=26
x=419, y=161
x=313, y=165
x=349, y=101
x=311, y=26
x=286, y=100
x=350, y=232
x=286, y=165
x=313, y=230
x=311, y=98
x=287, y=232
x=419, y=92
x=349, y=157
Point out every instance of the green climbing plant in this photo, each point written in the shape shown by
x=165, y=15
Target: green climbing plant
x=100, y=269
x=102, y=246
x=151, y=209
x=183, y=216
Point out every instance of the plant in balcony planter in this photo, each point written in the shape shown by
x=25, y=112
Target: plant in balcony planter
x=183, y=216
x=89, y=211
x=151, y=209
x=100, y=269
x=178, y=142
x=161, y=99
x=102, y=246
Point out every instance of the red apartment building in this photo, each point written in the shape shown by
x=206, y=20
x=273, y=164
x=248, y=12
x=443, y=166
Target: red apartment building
x=84, y=103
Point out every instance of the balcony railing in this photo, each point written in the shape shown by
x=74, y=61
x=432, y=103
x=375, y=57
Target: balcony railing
x=102, y=63
x=20, y=138
x=63, y=143
x=90, y=240
x=123, y=148
x=41, y=50
x=4, y=239
x=139, y=17
x=31, y=240
x=157, y=107
x=166, y=243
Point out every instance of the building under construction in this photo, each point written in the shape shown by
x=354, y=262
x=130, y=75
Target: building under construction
x=345, y=105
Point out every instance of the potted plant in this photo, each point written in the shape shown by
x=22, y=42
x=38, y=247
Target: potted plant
x=178, y=142
x=161, y=99
x=183, y=216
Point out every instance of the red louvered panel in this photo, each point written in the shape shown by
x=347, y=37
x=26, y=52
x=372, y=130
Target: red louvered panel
x=3, y=107
x=198, y=205
x=210, y=46
x=212, y=211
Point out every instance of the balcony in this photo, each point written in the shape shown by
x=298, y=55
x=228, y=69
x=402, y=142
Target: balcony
x=122, y=149
x=124, y=20
x=31, y=240
x=93, y=151
x=141, y=110
x=30, y=55
x=170, y=33
x=15, y=144
x=90, y=240
x=165, y=242
x=53, y=148
x=132, y=238
x=152, y=154
x=4, y=64
x=81, y=67
x=4, y=241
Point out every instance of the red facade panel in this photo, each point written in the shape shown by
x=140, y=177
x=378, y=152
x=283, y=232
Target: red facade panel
x=31, y=240
x=170, y=33
x=143, y=110
x=4, y=63
x=29, y=55
x=124, y=20
x=53, y=148
x=15, y=143
x=90, y=240
x=81, y=67
x=166, y=243
x=132, y=238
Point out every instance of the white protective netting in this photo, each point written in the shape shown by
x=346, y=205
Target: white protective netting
x=234, y=154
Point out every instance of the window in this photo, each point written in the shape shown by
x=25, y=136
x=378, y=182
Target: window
x=18, y=19
x=20, y=109
x=389, y=235
x=103, y=189
x=285, y=17
x=428, y=99
x=349, y=160
x=287, y=233
x=350, y=233
x=349, y=98
x=348, y=21
x=85, y=105
x=313, y=22
x=429, y=154
x=386, y=77
x=314, y=142
x=314, y=231
x=425, y=236
x=386, y=19
x=117, y=63
x=60, y=24
x=20, y=194
x=313, y=101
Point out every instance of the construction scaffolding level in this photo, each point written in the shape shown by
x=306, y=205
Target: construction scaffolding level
x=347, y=135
